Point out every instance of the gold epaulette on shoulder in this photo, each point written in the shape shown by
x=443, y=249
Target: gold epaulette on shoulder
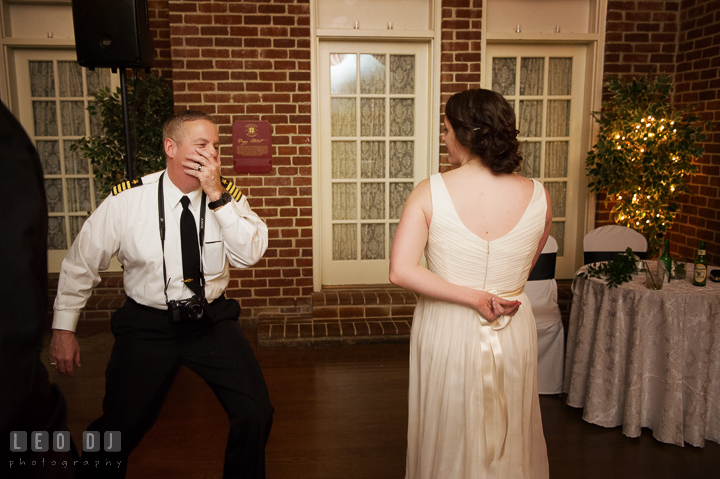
x=126, y=185
x=231, y=188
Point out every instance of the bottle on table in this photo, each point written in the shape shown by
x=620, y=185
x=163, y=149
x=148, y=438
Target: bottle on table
x=700, y=273
x=665, y=260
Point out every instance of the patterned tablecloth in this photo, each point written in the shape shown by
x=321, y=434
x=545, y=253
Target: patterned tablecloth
x=642, y=358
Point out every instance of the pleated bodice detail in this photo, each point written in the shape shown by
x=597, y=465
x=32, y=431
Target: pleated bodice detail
x=459, y=256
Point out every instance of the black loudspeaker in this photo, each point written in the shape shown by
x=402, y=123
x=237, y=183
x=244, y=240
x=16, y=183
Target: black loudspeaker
x=112, y=33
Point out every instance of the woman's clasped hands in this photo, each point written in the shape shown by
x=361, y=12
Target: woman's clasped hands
x=491, y=306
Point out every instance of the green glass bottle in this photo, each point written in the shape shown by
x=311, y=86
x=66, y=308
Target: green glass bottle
x=700, y=274
x=665, y=260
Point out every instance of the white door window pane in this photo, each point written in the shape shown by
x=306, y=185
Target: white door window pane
x=70, y=79
x=95, y=120
x=45, y=116
x=344, y=159
x=558, y=118
x=97, y=80
x=57, y=239
x=75, y=164
x=54, y=194
x=372, y=238
x=556, y=159
x=372, y=74
x=503, y=75
x=399, y=193
x=372, y=117
x=402, y=159
x=531, y=76
x=49, y=153
x=343, y=70
x=72, y=118
x=402, y=117
x=42, y=79
x=558, y=195
x=402, y=74
x=560, y=76
x=530, y=120
x=530, y=151
x=372, y=201
x=344, y=200
x=372, y=159
x=78, y=194
x=342, y=117
x=344, y=242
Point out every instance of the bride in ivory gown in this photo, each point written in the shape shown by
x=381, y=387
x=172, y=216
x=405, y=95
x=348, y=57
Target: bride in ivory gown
x=474, y=410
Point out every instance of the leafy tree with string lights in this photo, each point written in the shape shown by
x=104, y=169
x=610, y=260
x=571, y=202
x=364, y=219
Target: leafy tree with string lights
x=644, y=151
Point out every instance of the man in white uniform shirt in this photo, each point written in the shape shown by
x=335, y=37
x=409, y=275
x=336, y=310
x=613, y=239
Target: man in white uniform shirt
x=176, y=269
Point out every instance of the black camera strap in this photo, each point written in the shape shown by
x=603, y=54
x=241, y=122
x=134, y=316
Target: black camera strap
x=201, y=233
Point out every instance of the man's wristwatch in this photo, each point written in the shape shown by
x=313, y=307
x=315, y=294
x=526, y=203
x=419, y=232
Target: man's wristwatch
x=224, y=199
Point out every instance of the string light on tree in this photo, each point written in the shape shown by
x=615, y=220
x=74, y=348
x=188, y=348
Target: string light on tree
x=644, y=151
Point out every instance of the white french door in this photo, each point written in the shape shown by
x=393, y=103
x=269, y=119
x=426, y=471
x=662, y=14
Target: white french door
x=374, y=144
x=545, y=86
x=53, y=93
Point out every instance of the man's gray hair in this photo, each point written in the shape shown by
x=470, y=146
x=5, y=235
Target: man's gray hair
x=173, y=128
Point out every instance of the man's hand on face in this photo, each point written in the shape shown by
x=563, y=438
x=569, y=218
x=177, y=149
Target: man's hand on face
x=204, y=164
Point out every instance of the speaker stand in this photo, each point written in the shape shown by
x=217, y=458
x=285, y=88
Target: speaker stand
x=123, y=95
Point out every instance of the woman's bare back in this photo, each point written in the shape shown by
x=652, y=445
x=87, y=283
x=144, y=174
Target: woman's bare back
x=489, y=206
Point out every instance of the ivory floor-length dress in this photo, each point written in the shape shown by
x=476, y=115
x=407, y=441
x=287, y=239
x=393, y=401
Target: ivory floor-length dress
x=474, y=411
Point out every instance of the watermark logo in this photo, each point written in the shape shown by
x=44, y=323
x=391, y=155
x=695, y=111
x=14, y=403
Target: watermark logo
x=59, y=441
x=40, y=441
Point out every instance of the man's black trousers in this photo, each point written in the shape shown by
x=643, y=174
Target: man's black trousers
x=149, y=349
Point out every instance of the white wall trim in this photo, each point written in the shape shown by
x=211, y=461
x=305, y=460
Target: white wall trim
x=315, y=157
x=435, y=101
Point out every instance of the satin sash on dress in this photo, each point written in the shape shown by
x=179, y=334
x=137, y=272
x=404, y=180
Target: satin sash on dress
x=491, y=353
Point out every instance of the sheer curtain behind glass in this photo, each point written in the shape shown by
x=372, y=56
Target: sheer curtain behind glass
x=538, y=88
x=59, y=95
x=371, y=101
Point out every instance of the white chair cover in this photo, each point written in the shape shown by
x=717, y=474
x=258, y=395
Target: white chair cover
x=614, y=239
x=550, y=333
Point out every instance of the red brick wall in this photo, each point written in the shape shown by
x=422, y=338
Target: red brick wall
x=460, y=54
x=640, y=39
x=698, y=82
x=160, y=26
x=250, y=60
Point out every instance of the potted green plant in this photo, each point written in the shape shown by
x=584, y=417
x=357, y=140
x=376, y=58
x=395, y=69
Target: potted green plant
x=645, y=149
x=150, y=104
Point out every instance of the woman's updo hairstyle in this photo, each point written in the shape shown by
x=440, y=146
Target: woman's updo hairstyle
x=484, y=122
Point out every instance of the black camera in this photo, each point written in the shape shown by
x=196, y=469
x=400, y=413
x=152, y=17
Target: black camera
x=191, y=308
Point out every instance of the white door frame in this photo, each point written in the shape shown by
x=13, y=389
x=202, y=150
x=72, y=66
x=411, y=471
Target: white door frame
x=367, y=271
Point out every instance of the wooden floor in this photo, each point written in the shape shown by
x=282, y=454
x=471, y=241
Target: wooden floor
x=341, y=413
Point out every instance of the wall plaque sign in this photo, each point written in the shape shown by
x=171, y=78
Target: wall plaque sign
x=252, y=146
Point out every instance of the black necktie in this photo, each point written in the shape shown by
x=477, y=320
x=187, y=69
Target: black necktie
x=190, y=248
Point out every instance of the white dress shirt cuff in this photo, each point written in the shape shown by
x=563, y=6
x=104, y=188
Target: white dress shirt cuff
x=66, y=320
x=225, y=216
